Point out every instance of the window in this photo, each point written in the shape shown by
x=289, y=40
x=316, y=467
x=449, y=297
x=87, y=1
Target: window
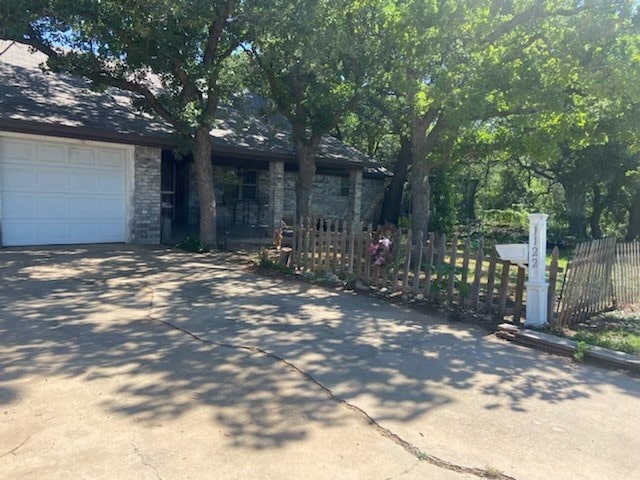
x=248, y=184
x=344, y=186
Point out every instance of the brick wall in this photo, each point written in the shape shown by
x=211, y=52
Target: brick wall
x=328, y=198
x=145, y=224
x=372, y=196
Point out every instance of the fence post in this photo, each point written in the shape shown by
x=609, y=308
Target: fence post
x=357, y=260
x=477, y=274
x=427, y=270
x=465, y=270
x=313, y=226
x=452, y=271
x=517, y=308
x=553, y=280
x=504, y=289
x=343, y=246
x=352, y=239
x=491, y=280
x=394, y=272
x=442, y=246
x=407, y=265
x=418, y=265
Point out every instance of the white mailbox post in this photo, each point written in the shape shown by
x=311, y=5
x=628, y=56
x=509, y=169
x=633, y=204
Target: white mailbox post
x=537, y=287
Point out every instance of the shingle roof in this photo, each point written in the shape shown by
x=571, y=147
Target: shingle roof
x=33, y=99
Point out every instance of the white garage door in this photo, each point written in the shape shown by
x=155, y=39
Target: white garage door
x=56, y=193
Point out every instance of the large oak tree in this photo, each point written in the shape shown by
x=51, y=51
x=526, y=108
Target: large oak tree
x=168, y=53
x=316, y=57
x=457, y=65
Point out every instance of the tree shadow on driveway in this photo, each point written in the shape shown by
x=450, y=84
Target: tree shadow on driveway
x=92, y=313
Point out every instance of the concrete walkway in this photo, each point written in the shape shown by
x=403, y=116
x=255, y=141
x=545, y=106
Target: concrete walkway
x=124, y=362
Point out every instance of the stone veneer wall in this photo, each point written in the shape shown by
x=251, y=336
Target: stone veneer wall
x=372, y=197
x=328, y=198
x=145, y=224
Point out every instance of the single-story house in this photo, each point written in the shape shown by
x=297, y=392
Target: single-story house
x=82, y=166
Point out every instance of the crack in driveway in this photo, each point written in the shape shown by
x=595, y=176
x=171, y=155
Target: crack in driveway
x=385, y=432
x=144, y=461
x=15, y=449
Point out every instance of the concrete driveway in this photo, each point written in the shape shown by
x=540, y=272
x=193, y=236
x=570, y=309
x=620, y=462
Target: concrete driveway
x=128, y=362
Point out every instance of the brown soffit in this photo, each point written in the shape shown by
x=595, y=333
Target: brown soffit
x=164, y=141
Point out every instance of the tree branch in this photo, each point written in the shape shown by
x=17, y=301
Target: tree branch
x=103, y=78
x=536, y=10
x=531, y=168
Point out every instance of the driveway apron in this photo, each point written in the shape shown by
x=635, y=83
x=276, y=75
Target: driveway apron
x=180, y=364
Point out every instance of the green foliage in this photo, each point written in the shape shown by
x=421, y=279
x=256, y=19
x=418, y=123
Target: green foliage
x=582, y=348
x=183, y=44
x=502, y=81
x=536, y=101
x=349, y=280
x=314, y=57
x=508, y=217
x=192, y=244
x=268, y=264
x=445, y=198
x=614, y=330
x=404, y=222
x=620, y=340
x=445, y=271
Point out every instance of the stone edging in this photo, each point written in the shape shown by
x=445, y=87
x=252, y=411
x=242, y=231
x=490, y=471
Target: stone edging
x=565, y=346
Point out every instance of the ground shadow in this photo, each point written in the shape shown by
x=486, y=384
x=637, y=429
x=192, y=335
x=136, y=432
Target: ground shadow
x=90, y=312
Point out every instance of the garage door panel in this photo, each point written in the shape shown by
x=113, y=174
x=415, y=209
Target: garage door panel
x=52, y=154
x=84, y=232
x=17, y=150
x=19, y=232
x=96, y=207
x=110, y=208
x=82, y=181
x=17, y=178
x=82, y=156
x=84, y=207
x=111, y=230
x=52, y=206
x=111, y=183
x=52, y=232
x=61, y=194
x=49, y=179
x=20, y=206
x=111, y=158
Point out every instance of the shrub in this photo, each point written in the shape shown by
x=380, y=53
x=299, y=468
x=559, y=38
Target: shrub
x=191, y=244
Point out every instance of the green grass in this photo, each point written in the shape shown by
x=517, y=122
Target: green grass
x=614, y=339
x=615, y=330
x=564, y=255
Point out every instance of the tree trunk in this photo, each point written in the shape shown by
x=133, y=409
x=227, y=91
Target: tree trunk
x=596, y=213
x=392, y=202
x=306, y=156
x=204, y=180
x=469, y=198
x=575, y=198
x=420, y=198
x=423, y=144
x=633, y=228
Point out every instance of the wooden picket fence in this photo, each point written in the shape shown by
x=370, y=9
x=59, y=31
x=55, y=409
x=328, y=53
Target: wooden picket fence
x=456, y=271
x=626, y=276
x=601, y=276
x=588, y=289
